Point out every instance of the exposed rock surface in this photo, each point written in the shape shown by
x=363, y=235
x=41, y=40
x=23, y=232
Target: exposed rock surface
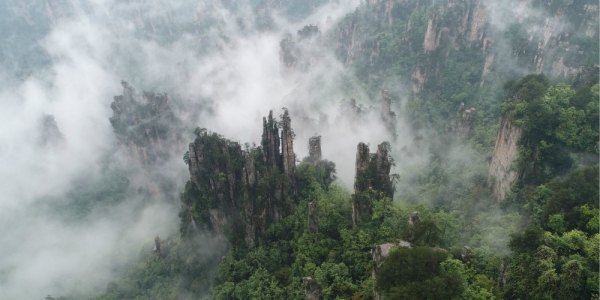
x=361, y=183
x=463, y=124
x=502, y=172
x=314, y=149
x=549, y=36
x=372, y=172
x=312, y=289
x=288, y=156
x=157, y=248
x=247, y=190
x=379, y=253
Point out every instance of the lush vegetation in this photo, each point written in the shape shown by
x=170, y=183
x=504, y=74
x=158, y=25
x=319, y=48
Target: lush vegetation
x=540, y=243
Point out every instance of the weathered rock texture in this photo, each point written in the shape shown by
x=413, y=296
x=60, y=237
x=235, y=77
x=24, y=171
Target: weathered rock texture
x=361, y=183
x=288, y=157
x=312, y=289
x=379, y=253
x=503, y=172
x=463, y=124
x=157, y=248
x=314, y=149
x=387, y=115
x=243, y=191
x=372, y=173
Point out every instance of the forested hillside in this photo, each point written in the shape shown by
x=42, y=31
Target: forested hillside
x=379, y=149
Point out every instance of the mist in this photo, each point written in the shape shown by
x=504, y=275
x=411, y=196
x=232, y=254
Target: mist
x=92, y=48
x=232, y=74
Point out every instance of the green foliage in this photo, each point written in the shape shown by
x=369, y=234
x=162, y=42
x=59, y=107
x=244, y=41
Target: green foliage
x=555, y=120
x=420, y=273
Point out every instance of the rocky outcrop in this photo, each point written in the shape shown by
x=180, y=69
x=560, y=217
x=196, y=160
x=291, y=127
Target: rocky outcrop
x=387, y=115
x=543, y=37
x=372, y=172
x=463, y=123
x=157, y=248
x=242, y=191
x=379, y=253
x=312, y=289
x=413, y=227
x=383, y=166
x=50, y=135
x=361, y=183
x=314, y=149
x=288, y=157
x=502, y=172
x=146, y=126
x=413, y=220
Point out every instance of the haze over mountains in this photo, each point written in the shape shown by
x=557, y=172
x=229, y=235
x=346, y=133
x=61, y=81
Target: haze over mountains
x=101, y=99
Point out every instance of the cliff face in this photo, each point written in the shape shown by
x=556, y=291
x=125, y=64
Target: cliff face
x=549, y=39
x=450, y=47
x=243, y=191
x=502, y=172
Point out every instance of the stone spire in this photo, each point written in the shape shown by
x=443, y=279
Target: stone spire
x=314, y=149
x=361, y=183
x=287, y=149
x=270, y=141
x=361, y=180
x=384, y=165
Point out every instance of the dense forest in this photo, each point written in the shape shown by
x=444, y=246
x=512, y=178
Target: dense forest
x=408, y=149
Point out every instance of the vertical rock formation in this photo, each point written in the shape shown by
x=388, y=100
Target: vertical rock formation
x=502, y=172
x=312, y=289
x=50, y=134
x=361, y=179
x=287, y=151
x=157, y=248
x=413, y=227
x=387, y=115
x=372, y=172
x=313, y=217
x=463, y=123
x=314, y=149
x=413, y=220
x=383, y=166
x=270, y=141
x=244, y=191
x=361, y=183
